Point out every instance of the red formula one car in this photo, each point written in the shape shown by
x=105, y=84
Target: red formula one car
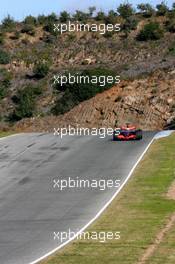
x=127, y=132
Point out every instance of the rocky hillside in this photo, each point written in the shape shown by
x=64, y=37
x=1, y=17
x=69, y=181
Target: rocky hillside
x=148, y=102
x=142, y=53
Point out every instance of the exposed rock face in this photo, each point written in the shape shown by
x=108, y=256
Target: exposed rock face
x=148, y=103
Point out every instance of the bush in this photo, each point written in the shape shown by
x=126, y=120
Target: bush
x=162, y=9
x=4, y=85
x=171, y=14
x=100, y=16
x=77, y=92
x=80, y=16
x=8, y=24
x=63, y=105
x=4, y=57
x=42, y=19
x=151, y=31
x=6, y=78
x=52, y=18
x=125, y=10
x=28, y=29
x=111, y=17
x=26, y=105
x=3, y=91
x=41, y=70
x=170, y=26
x=146, y=9
x=30, y=20
x=49, y=27
x=130, y=24
x=25, y=101
x=5, y=82
x=64, y=17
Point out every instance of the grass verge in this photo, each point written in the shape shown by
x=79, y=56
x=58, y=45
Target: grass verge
x=165, y=252
x=139, y=212
x=5, y=134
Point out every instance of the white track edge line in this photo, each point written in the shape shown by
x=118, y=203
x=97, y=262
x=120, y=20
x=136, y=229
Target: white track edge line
x=100, y=212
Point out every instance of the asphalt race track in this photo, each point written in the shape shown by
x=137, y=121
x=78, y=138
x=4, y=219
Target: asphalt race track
x=31, y=209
